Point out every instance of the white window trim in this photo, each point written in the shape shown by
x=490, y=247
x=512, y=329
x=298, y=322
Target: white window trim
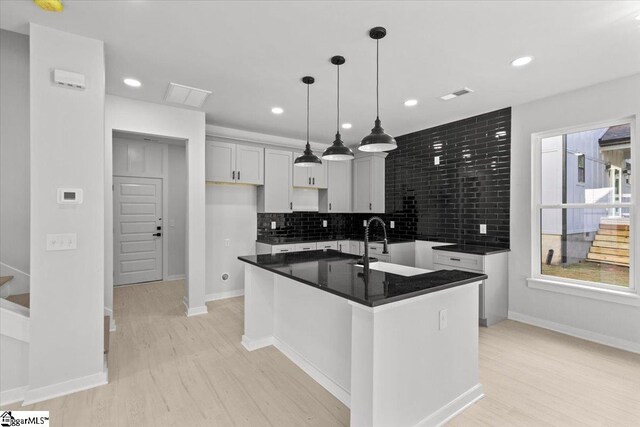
x=600, y=291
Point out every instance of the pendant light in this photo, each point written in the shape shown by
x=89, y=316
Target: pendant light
x=337, y=150
x=307, y=159
x=377, y=140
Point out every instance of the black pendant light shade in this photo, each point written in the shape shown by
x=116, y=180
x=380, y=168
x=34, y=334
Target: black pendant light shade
x=337, y=150
x=377, y=140
x=307, y=159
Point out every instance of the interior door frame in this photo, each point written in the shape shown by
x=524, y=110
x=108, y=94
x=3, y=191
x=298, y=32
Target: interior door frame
x=165, y=211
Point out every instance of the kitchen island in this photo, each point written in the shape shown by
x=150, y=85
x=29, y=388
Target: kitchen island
x=398, y=345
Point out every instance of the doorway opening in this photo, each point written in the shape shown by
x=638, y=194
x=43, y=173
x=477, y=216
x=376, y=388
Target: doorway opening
x=149, y=208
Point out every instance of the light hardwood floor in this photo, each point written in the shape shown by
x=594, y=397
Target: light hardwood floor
x=166, y=369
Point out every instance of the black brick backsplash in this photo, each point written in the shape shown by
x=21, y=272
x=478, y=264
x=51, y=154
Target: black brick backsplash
x=445, y=202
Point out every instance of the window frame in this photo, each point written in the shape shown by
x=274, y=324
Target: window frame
x=590, y=289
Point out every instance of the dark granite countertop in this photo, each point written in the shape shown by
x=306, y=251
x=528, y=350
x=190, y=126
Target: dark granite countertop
x=470, y=249
x=337, y=273
x=289, y=241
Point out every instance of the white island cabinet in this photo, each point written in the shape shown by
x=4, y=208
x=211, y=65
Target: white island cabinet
x=394, y=360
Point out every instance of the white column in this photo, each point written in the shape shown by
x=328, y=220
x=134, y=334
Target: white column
x=67, y=139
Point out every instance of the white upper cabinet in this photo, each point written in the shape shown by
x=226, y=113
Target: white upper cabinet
x=235, y=163
x=276, y=194
x=249, y=164
x=368, y=183
x=337, y=198
x=311, y=177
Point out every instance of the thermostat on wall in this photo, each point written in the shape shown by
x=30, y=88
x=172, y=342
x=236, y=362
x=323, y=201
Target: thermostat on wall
x=69, y=196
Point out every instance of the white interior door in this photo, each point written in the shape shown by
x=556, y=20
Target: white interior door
x=137, y=221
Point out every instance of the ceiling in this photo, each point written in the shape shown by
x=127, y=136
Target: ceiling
x=251, y=55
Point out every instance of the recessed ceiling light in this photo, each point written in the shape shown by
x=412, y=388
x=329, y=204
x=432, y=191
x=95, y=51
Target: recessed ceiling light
x=277, y=110
x=519, y=62
x=346, y=126
x=132, y=82
x=410, y=102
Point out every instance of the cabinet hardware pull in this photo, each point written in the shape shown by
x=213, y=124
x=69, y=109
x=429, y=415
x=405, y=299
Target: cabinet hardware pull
x=290, y=205
x=454, y=259
x=314, y=180
x=284, y=250
x=309, y=180
x=340, y=247
x=233, y=175
x=238, y=175
x=369, y=206
x=329, y=205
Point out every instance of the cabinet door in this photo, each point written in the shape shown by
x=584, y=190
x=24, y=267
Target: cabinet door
x=301, y=175
x=362, y=171
x=319, y=175
x=220, y=161
x=339, y=186
x=343, y=246
x=249, y=164
x=277, y=181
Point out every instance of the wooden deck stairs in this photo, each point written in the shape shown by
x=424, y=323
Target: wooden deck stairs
x=611, y=245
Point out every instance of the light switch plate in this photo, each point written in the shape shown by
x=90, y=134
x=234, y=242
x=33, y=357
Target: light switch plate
x=324, y=223
x=436, y=160
x=392, y=224
x=273, y=225
x=444, y=319
x=483, y=228
x=227, y=242
x=62, y=242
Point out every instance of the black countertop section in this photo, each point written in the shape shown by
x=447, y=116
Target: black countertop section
x=337, y=273
x=470, y=249
x=288, y=241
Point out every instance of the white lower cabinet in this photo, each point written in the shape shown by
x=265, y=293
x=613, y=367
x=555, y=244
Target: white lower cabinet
x=327, y=245
x=494, y=291
x=309, y=246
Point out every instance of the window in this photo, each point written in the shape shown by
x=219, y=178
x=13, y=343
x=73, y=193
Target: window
x=581, y=162
x=583, y=205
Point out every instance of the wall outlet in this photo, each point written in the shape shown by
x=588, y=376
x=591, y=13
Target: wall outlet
x=273, y=225
x=227, y=242
x=483, y=228
x=436, y=160
x=392, y=224
x=364, y=223
x=324, y=223
x=444, y=319
x=62, y=242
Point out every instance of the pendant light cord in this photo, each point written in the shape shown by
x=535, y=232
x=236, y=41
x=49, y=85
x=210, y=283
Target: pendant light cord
x=308, y=114
x=338, y=103
x=377, y=78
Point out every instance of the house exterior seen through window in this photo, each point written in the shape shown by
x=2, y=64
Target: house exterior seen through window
x=585, y=206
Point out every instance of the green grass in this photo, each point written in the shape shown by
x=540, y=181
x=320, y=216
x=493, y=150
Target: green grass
x=591, y=271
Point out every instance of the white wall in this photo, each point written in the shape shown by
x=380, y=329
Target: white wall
x=231, y=214
x=14, y=150
x=610, y=322
x=67, y=150
x=176, y=228
x=154, y=119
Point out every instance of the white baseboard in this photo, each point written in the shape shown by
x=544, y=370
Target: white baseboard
x=174, y=277
x=196, y=311
x=7, y=397
x=254, y=344
x=331, y=386
x=40, y=394
x=453, y=408
x=224, y=295
x=576, y=332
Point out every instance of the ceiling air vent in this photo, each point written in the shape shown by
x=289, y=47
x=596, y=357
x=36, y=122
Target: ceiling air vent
x=463, y=91
x=185, y=95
